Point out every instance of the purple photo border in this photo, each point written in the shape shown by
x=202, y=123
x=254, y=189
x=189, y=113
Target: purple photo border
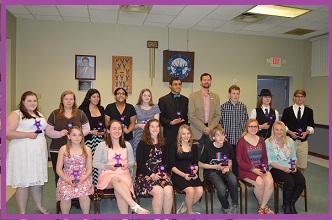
x=161, y=2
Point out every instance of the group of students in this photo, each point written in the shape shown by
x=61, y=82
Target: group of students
x=106, y=143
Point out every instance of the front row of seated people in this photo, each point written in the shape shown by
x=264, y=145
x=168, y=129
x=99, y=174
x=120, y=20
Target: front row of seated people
x=160, y=168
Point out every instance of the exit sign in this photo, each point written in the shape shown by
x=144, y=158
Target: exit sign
x=275, y=61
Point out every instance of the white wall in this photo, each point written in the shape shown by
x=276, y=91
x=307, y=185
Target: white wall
x=46, y=60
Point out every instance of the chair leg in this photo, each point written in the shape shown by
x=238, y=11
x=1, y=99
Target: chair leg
x=305, y=198
x=276, y=198
x=246, y=200
x=240, y=197
x=211, y=195
x=206, y=202
x=174, y=203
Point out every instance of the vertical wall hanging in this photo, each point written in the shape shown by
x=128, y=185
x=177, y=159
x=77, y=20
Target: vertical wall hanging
x=179, y=64
x=122, y=73
x=152, y=45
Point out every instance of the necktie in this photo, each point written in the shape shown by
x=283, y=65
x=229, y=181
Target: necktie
x=176, y=96
x=266, y=113
x=299, y=114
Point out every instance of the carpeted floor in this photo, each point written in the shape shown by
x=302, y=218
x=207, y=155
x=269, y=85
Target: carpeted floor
x=317, y=187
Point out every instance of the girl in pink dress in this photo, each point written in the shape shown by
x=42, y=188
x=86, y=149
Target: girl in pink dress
x=113, y=158
x=74, y=168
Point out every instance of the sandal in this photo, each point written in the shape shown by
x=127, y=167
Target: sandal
x=179, y=210
x=41, y=210
x=260, y=210
x=138, y=207
x=267, y=210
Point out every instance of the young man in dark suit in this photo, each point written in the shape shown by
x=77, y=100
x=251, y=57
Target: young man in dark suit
x=174, y=110
x=299, y=120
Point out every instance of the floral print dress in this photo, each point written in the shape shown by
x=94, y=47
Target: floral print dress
x=144, y=184
x=65, y=191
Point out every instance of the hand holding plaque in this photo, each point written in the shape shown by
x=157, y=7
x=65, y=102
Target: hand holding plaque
x=76, y=174
x=178, y=113
x=270, y=118
x=69, y=125
x=117, y=157
x=100, y=126
x=192, y=168
x=161, y=170
x=224, y=160
x=122, y=119
x=263, y=167
x=299, y=132
x=38, y=125
x=292, y=164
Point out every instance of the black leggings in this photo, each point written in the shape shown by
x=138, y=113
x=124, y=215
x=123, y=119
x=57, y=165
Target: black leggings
x=54, y=158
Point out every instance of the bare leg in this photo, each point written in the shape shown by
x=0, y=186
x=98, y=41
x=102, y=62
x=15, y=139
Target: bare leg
x=158, y=199
x=85, y=204
x=123, y=196
x=258, y=189
x=22, y=195
x=188, y=200
x=168, y=199
x=198, y=193
x=65, y=206
x=122, y=204
x=268, y=188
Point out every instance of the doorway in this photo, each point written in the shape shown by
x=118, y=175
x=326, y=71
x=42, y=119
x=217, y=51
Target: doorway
x=279, y=87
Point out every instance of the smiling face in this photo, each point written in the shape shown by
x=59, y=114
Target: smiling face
x=30, y=103
x=94, y=99
x=185, y=135
x=219, y=138
x=120, y=96
x=206, y=82
x=146, y=97
x=75, y=136
x=299, y=99
x=68, y=101
x=115, y=130
x=176, y=86
x=253, y=128
x=278, y=131
x=154, y=129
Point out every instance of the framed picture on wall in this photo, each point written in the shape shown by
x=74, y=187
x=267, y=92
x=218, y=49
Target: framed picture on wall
x=179, y=64
x=85, y=67
x=84, y=85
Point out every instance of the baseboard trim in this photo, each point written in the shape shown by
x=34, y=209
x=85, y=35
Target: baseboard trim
x=318, y=155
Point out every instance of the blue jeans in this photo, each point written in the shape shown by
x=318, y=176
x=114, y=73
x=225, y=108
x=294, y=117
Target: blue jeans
x=218, y=179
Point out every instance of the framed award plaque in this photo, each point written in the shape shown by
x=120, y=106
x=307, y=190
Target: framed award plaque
x=179, y=64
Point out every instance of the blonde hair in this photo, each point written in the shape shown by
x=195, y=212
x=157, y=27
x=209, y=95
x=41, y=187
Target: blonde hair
x=249, y=121
x=61, y=107
x=69, y=143
x=284, y=136
x=179, y=140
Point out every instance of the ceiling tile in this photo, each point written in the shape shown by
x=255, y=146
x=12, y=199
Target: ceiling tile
x=78, y=19
x=211, y=22
x=103, y=14
x=160, y=18
x=18, y=10
x=199, y=11
x=131, y=18
x=104, y=7
x=203, y=28
x=166, y=9
x=155, y=24
x=257, y=27
x=71, y=11
x=43, y=10
x=103, y=20
x=48, y=17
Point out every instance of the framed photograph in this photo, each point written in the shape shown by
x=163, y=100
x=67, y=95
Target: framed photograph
x=84, y=85
x=85, y=67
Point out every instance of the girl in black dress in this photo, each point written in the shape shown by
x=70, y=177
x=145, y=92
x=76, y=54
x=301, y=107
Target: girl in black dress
x=184, y=165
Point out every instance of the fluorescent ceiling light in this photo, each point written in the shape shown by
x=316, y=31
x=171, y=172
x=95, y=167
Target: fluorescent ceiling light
x=136, y=8
x=277, y=10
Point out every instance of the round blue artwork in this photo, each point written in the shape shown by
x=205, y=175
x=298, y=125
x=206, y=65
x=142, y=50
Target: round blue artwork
x=179, y=65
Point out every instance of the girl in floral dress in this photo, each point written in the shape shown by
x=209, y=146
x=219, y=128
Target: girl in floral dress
x=152, y=175
x=74, y=168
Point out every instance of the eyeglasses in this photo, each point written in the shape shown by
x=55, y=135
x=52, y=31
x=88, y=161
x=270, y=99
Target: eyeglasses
x=118, y=94
x=255, y=126
x=299, y=96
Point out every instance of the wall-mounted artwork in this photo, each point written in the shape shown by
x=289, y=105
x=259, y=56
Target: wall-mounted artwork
x=179, y=64
x=85, y=67
x=122, y=73
x=84, y=85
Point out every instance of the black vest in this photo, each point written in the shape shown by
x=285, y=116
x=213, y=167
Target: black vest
x=262, y=119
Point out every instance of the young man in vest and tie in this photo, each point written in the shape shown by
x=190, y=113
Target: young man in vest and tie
x=299, y=120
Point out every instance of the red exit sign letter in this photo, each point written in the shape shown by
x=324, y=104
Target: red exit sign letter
x=275, y=61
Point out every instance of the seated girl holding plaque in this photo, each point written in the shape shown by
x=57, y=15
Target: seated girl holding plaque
x=112, y=158
x=216, y=159
x=184, y=166
x=74, y=168
x=252, y=159
x=282, y=159
x=152, y=165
